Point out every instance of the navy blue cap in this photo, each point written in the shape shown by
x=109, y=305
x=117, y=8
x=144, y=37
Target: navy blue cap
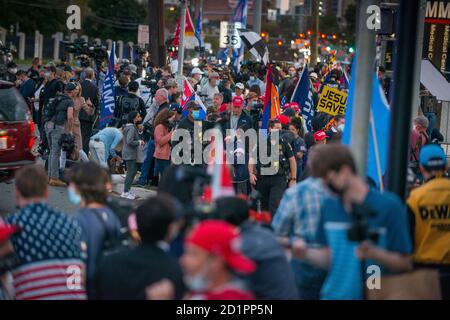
x=175, y=107
x=432, y=157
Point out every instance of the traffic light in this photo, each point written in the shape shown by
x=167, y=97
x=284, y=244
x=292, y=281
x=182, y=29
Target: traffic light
x=324, y=36
x=309, y=32
x=302, y=35
x=334, y=37
x=265, y=36
x=279, y=42
x=351, y=50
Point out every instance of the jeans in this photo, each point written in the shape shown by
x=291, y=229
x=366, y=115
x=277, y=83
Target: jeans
x=131, y=173
x=54, y=134
x=431, y=116
x=98, y=153
x=160, y=166
x=143, y=179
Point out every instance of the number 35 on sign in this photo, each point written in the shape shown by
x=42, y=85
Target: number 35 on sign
x=332, y=101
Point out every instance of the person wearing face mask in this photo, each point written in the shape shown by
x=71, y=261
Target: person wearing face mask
x=88, y=188
x=129, y=152
x=271, y=179
x=125, y=275
x=335, y=126
x=254, y=80
x=8, y=260
x=288, y=82
x=342, y=248
x=209, y=261
x=49, y=243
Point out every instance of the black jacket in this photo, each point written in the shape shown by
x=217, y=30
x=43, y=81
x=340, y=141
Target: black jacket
x=244, y=119
x=89, y=90
x=126, y=274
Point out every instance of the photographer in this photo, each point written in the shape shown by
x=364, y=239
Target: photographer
x=361, y=224
x=172, y=88
x=89, y=91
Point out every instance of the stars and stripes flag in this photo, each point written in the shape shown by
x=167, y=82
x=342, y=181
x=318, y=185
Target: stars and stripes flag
x=190, y=95
x=255, y=44
x=49, y=249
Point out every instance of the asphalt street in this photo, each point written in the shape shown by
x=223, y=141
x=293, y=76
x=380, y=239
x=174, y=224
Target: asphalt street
x=57, y=198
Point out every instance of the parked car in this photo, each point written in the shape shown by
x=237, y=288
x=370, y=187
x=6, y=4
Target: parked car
x=16, y=131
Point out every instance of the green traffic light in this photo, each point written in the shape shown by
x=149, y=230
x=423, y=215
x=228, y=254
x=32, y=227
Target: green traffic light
x=351, y=50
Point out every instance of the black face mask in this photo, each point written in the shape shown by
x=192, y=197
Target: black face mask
x=334, y=189
x=8, y=263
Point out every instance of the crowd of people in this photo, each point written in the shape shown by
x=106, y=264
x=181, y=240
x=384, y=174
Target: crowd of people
x=325, y=223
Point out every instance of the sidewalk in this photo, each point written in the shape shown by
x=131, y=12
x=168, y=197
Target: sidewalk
x=118, y=184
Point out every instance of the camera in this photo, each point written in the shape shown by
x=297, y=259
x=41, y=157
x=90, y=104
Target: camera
x=151, y=84
x=359, y=230
x=85, y=52
x=6, y=56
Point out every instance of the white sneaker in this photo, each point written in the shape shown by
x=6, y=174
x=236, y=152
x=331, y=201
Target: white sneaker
x=134, y=197
x=128, y=195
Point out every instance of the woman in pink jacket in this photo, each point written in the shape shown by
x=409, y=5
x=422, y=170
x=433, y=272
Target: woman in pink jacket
x=163, y=134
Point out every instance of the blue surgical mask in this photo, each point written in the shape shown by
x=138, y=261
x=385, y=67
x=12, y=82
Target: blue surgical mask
x=341, y=127
x=196, y=283
x=74, y=197
x=196, y=114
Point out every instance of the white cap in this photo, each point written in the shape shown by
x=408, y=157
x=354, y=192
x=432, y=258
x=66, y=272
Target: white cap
x=196, y=71
x=240, y=85
x=313, y=75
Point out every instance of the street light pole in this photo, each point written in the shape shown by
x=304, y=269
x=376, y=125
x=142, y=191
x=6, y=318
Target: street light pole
x=365, y=51
x=315, y=31
x=182, y=31
x=257, y=11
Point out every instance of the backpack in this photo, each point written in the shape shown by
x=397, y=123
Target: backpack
x=50, y=109
x=112, y=241
x=125, y=105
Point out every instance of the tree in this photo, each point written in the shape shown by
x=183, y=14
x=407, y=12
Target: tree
x=115, y=19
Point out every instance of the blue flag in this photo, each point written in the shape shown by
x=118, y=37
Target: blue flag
x=378, y=143
x=303, y=96
x=240, y=15
x=108, y=93
x=198, y=28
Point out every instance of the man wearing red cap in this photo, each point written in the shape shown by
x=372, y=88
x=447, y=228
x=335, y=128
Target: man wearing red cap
x=320, y=137
x=8, y=260
x=211, y=251
x=238, y=117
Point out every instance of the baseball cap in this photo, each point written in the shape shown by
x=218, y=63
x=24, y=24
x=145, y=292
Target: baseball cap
x=238, y=101
x=196, y=71
x=289, y=112
x=313, y=75
x=284, y=120
x=7, y=231
x=171, y=83
x=70, y=86
x=175, y=107
x=223, y=108
x=319, y=135
x=432, y=157
x=132, y=68
x=221, y=239
x=213, y=75
x=240, y=85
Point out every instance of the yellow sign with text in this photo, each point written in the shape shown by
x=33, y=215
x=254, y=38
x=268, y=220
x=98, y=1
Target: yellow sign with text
x=332, y=101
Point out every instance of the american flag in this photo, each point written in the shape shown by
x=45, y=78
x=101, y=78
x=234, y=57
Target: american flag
x=49, y=248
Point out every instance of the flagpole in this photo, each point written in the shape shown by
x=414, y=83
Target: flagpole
x=182, y=31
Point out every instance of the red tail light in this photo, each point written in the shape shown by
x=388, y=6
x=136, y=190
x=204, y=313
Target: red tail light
x=31, y=135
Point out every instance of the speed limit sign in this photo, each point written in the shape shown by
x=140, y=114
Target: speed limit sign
x=229, y=36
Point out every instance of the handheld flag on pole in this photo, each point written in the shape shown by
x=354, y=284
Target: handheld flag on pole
x=378, y=143
x=303, y=96
x=255, y=44
x=107, y=100
x=190, y=95
x=188, y=30
x=239, y=18
x=271, y=100
x=198, y=28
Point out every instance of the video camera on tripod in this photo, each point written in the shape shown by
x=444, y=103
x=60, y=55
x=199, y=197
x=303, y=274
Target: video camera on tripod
x=85, y=52
x=6, y=56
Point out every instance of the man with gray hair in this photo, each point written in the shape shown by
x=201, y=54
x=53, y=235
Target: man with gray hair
x=419, y=137
x=89, y=91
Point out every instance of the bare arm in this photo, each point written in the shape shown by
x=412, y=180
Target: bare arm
x=394, y=261
x=70, y=119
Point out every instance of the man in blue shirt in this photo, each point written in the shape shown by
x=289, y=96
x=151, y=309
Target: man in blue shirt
x=348, y=247
x=27, y=84
x=103, y=145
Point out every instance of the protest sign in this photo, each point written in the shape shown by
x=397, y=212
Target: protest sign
x=332, y=101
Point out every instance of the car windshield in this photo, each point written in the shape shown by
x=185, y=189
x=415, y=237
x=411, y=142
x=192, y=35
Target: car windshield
x=12, y=106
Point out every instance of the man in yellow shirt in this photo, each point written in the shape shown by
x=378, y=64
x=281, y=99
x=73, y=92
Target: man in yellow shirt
x=429, y=206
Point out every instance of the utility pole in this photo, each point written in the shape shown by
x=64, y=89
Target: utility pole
x=257, y=11
x=402, y=101
x=156, y=29
x=182, y=31
x=418, y=63
x=315, y=31
x=365, y=50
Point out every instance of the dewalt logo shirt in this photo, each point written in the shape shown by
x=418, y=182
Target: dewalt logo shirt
x=430, y=205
